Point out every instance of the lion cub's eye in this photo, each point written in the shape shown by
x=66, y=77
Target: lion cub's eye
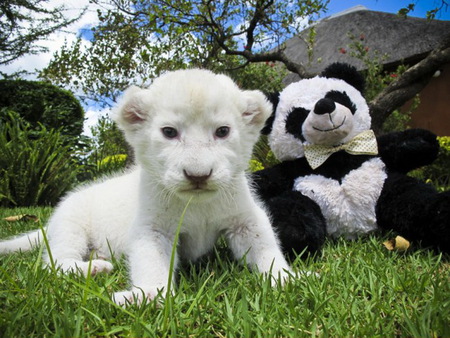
x=169, y=132
x=222, y=132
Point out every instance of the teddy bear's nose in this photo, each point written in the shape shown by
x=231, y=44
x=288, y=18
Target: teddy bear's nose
x=324, y=106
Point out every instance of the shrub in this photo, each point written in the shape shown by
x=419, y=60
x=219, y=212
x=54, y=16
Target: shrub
x=255, y=165
x=46, y=104
x=439, y=172
x=263, y=156
x=36, y=168
x=111, y=164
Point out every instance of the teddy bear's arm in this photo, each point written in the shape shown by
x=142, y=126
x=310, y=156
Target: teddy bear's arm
x=270, y=182
x=273, y=181
x=407, y=150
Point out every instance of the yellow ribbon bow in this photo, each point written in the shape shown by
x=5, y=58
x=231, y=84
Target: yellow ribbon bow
x=364, y=143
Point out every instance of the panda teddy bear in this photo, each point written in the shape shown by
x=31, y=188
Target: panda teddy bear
x=336, y=178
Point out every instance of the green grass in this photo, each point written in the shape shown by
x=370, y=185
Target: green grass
x=363, y=290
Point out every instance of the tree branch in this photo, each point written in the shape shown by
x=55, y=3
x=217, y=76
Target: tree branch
x=260, y=9
x=408, y=84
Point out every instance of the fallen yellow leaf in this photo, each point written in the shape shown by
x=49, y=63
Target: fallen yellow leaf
x=398, y=243
x=25, y=217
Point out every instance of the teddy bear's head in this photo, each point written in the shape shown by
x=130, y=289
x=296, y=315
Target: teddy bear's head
x=327, y=110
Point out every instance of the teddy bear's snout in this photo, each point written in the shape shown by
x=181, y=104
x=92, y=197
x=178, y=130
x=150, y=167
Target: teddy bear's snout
x=324, y=106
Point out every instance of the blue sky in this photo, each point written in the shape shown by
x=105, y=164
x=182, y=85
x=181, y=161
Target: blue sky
x=391, y=6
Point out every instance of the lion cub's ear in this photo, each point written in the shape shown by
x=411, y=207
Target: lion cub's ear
x=258, y=109
x=132, y=110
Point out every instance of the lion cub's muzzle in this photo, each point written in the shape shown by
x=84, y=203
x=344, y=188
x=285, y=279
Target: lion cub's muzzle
x=198, y=181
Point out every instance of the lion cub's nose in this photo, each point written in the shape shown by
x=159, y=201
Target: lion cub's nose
x=196, y=178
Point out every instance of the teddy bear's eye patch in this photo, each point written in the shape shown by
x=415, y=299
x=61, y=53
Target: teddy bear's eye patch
x=294, y=122
x=341, y=98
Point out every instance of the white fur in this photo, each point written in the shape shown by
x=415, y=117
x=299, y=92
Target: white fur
x=138, y=213
x=348, y=209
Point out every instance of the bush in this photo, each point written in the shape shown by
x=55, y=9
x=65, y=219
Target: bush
x=111, y=164
x=263, y=157
x=46, y=104
x=36, y=168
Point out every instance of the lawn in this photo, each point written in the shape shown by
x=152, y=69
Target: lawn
x=363, y=290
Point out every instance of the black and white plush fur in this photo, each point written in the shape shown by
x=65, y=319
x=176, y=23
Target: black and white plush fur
x=349, y=194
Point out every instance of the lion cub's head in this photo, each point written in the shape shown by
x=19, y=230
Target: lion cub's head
x=192, y=130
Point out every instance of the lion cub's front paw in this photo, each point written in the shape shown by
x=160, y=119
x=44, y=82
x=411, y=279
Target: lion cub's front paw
x=86, y=268
x=135, y=296
x=99, y=265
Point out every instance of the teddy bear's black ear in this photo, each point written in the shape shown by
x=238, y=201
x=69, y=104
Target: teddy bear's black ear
x=274, y=98
x=345, y=72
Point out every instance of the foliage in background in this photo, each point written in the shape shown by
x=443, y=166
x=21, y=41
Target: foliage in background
x=45, y=104
x=107, y=151
x=377, y=78
x=136, y=40
x=24, y=23
x=263, y=157
x=438, y=173
x=267, y=77
x=36, y=168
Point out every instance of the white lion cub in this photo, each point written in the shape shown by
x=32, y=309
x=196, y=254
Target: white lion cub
x=193, y=133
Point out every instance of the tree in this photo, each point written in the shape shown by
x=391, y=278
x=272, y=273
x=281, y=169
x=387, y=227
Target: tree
x=25, y=22
x=138, y=39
